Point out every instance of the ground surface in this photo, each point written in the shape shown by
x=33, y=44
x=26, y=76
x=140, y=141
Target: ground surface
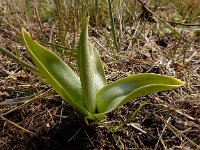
x=36, y=118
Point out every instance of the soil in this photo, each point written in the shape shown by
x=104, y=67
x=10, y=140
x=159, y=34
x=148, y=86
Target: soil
x=48, y=123
x=169, y=120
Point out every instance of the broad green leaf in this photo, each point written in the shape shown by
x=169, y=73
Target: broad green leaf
x=15, y=58
x=58, y=74
x=90, y=69
x=124, y=90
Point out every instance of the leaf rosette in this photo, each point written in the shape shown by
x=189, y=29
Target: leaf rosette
x=88, y=93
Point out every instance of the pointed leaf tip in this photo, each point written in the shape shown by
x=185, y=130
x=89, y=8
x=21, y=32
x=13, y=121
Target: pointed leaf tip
x=90, y=69
x=124, y=90
x=56, y=72
x=25, y=32
x=87, y=19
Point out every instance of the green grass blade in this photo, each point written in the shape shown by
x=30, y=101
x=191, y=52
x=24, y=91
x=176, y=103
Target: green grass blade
x=15, y=58
x=58, y=74
x=91, y=70
x=129, y=118
x=113, y=26
x=124, y=90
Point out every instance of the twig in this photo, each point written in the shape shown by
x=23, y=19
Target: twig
x=18, y=126
x=74, y=135
x=177, y=34
x=136, y=127
x=180, y=133
x=160, y=136
x=179, y=112
x=38, y=16
x=88, y=137
x=183, y=24
x=47, y=93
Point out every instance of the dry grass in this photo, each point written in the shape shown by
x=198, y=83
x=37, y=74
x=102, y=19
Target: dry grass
x=37, y=118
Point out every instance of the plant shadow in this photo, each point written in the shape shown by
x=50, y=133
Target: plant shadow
x=70, y=134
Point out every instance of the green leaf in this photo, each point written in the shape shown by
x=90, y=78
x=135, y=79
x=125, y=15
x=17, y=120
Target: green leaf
x=90, y=69
x=58, y=74
x=124, y=90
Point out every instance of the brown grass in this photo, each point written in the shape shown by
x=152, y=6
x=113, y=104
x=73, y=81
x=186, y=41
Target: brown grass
x=37, y=117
